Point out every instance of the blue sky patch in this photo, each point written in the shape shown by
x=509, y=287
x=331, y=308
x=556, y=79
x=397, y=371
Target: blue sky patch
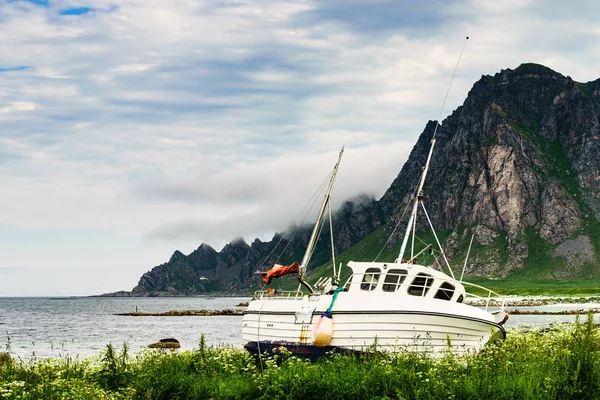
x=75, y=11
x=19, y=68
x=43, y=3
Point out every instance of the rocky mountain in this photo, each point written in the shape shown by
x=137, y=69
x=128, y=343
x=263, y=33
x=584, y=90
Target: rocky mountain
x=517, y=165
x=232, y=269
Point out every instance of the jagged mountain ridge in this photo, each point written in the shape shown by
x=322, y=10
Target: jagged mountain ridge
x=232, y=269
x=517, y=165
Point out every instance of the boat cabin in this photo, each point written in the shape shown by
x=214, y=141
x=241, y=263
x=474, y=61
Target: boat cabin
x=404, y=279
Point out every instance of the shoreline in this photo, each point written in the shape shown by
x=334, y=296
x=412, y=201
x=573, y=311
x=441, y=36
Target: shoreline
x=185, y=313
x=240, y=312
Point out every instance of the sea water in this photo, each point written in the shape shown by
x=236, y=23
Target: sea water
x=82, y=327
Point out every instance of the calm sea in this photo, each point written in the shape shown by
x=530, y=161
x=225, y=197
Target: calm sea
x=80, y=327
x=44, y=327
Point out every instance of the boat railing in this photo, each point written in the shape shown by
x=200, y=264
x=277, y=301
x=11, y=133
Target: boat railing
x=419, y=284
x=492, y=299
x=279, y=294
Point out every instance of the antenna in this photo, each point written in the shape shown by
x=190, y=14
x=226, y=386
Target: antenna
x=467, y=258
x=449, y=86
x=419, y=193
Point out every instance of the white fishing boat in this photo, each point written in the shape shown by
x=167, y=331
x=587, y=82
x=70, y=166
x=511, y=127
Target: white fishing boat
x=387, y=306
x=390, y=306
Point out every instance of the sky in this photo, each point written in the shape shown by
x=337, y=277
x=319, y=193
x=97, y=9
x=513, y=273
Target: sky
x=131, y=129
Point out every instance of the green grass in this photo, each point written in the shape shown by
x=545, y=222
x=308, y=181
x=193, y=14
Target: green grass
x=540, y=287
x=482, y=254
x=557, y=362
x=540, y=261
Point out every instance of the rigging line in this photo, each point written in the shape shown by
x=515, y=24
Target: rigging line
x=437, y=262
x=312, y=199
x=438, y=242
x=397, y=224
x=427, y=256
x=262, y=369
x=332, y=245
x=425, y=243
x=414, y=233
x=318, y=237
x=449, y=86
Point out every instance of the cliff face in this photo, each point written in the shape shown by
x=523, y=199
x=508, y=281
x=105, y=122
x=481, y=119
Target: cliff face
x=517, y=165
x=519, y=161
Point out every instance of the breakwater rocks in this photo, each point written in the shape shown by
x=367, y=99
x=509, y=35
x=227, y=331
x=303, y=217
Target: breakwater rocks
x=561, y=312
x=184, y=313
x=536, y=301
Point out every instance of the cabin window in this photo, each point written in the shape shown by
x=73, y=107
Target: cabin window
x=460, y=299
x=420, y=285
x=445, y=292
x=393, y=279
x=370, y=279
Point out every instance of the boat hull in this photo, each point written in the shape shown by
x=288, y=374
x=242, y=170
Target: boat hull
x=422, y=326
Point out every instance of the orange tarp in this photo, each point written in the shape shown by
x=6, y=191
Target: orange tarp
x=279, y=270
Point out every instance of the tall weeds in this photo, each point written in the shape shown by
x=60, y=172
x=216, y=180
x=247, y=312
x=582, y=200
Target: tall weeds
x=556, y=362
x=115, y=372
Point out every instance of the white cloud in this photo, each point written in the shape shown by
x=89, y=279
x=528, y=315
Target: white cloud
x=20, y=106
x=260, y=199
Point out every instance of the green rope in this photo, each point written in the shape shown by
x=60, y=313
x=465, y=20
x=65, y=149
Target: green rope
x=335, y=293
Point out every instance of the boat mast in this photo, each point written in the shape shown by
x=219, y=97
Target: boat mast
x=318, y=224
x=418, y=199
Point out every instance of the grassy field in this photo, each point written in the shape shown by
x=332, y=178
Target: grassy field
x=560, y=362
x=542, y=287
